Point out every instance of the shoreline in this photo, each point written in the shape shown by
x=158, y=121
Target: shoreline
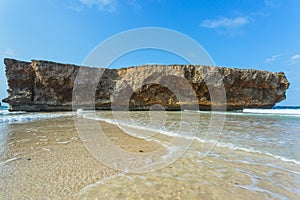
x=42, y=151
x=47, y=159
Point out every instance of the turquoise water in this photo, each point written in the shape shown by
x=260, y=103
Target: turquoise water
x=273, y=132
x=270, y=132
x=262, y=145
x=258, y=147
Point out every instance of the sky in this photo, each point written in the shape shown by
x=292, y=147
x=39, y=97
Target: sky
x=259, y=34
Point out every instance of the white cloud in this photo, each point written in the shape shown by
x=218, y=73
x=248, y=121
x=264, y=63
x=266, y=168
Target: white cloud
x=105, y=5
x=295, y=59
x=9, y=52
x=224, y=22
x=271, y=3
x=272, y=59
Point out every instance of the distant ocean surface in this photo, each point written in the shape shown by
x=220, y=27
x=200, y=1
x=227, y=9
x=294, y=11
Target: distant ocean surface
x=266, y=137
x=274, y=132
x=20, y=116
x=7, y=117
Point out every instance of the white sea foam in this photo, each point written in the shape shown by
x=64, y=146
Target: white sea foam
x=190, y=136
x=254, y=187
x=274, y=111
x=20, y=117
x=252, y=111
x=6, y=112
x=249, y=150
x=252, y=150
x=126, y=124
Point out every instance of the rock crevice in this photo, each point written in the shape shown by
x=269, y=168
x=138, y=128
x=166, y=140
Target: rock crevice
x=49, y=86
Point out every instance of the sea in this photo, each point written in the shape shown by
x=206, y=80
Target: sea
x=248, y=154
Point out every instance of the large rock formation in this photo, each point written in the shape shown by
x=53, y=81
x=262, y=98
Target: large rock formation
x=48, y=86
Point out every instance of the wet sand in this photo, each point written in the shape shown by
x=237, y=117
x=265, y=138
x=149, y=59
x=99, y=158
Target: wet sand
x=46, y=159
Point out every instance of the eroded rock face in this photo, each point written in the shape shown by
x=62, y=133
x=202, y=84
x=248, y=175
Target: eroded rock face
x=49, y=86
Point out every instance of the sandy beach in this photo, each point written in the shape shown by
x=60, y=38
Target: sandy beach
x=46, y=159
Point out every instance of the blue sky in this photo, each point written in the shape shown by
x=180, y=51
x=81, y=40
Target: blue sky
x=261, y=34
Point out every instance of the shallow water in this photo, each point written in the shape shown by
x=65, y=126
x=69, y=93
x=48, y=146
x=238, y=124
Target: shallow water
x=227, y=156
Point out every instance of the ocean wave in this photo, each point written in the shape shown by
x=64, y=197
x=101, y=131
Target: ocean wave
x=295, y=112
x=123, y=124
x=3, y=108
x=6, y=112
x=21, y=117
x=255, y=151
x=190, y=136
x=253, y=112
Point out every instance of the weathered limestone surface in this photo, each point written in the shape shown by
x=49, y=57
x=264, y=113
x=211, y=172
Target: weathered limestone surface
x=48, y=86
